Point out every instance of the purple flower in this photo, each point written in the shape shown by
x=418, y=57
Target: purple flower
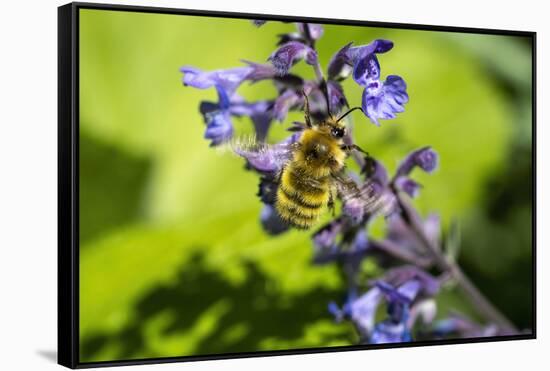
x=404, y=293
x=229, y=80
x=425, y=158
x=366, y=69
x=384, y=100
x=259, y=112
x=337, y=99
x=307, y=34
x=374, y=194
x=350, y=250
x=325, y=237
x=400, y=276
x=401, y=287
x=340, y=65
x=381, y=100
x=407, y=185
x=375, y=172
x=219, y=128
x=260, y=71
x=218, y=115
x=315, y=31
x=378, y=46
x=360, y=310
x=387, y=332
x=269, y=159
x=399, y=300
x=288, y=100
x=363, y=310
x=289, y=54
x=401, y=239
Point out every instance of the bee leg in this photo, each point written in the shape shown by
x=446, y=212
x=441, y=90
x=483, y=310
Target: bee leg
x=306, y=110
x=331, y=201
x=351, y=147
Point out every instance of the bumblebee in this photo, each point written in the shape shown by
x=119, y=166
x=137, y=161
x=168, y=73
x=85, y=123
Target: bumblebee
x=313, y=173
x=311, y=179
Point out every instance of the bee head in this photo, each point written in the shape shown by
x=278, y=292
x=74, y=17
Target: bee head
x=331, y=129
x=338, y=132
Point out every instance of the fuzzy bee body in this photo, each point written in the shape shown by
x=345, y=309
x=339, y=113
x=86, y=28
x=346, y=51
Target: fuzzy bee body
x=312, y=172
x=306, y=184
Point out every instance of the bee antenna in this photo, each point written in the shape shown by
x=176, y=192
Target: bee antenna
x=350, y=111
x=306, y=109
x=324, y=88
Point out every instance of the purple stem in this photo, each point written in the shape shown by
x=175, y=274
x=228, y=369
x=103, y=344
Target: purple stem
x=481, y=303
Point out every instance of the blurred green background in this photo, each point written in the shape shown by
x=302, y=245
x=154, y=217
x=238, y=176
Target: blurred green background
x=173, y=260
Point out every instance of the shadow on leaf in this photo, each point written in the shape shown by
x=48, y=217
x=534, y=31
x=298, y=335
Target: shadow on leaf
x=254, y=310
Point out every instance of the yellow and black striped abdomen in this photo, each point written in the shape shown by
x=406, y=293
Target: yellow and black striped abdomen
x=301, y=199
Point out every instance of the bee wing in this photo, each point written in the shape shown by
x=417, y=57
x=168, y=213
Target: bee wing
x=264, y=157
x=367, y=196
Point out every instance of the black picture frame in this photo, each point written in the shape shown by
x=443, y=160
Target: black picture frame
x=68, y=181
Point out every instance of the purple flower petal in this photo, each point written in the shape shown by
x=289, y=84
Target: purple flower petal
x=328, y=250
x=363, y=310
x=242, y=108
x=340, y=65
x=208, y=107
x=335, y=310
x=336, y=97
x=271, y=221
x=315, y=30
x=260, y=71
x=425, y=158
x=375, y=172
x=407, y=185
x=367, y=70
x=262, y=123
x=377, y=46
x=290, y=53
x=219, y=128
x=223, y=98
x=326, y=237
x=399, y=299
x=392, y=294
x=355, y=209
x=288, y=100
x=410, y=289
x=260, y=114
x=397, y=277
x=228, y=79
x=383, y=101
x=432, y=228
x=361, y=242
x=269, y=159
x=388, y=332
x=263, y=161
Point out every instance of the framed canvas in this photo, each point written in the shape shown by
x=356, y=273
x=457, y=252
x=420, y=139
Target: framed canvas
x=240, y=185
